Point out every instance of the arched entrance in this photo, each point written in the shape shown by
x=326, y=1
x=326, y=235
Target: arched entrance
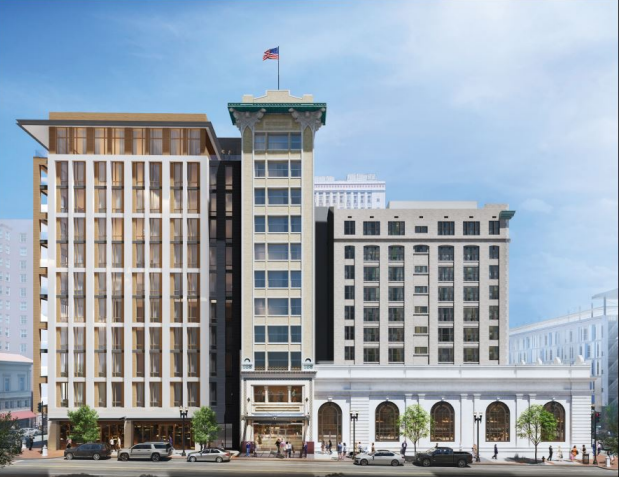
x=330, y=423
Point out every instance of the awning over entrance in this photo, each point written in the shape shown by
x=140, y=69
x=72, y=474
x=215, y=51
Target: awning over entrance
x=22, y=415
x=280, y=417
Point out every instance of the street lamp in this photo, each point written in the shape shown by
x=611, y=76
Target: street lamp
x=477, y=418
x=184, y=413
x=354, y=415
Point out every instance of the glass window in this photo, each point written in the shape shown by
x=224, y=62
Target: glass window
x=259, y=252
x=371, y=228
x=259, y=224
x=278, y=279
x=295, y=251
x=494, y=227
x=259, y=169
x=421, y=229
x=497, y=423
x=386, y=422
x=371, y=253
x=295, y=279
x=445, y=355
x=445, y=294
x=278, y=196
x=395, y=228
x=259, y=196
x=278, y=360
x=349, y=227
x=295, y=224
x=295, y=306
x=278, y=334
x=471, y=253
x=494, y=272
x=442, y=424
x=259, y=279
x=471, y=228
x=278, y=306
x=446, y=253
x=371, y=355
x=371, y=274
x=446, y=335
x=471, y=293
x=156, y=142
x=278, y=224
x=295, y=334
x=295, y=168
x=277, y=142
x=471, y=335
x=371, y=313
x=396, y=314
x=260, y=141
x=471, y=314
x=396, y=293
x=295, y=196
x=349, y=251
x=278, y=168
x=494, y=292
x=259, y=306
x=471, y=355
x=471, y=274
x=446, y=228
x=494, y=251
x=349, y=312
x=295, y=141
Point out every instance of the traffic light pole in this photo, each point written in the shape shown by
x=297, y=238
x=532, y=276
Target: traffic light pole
x=596, y=419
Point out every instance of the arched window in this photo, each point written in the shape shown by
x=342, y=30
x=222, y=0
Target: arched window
x=330, y=422
x=558, y=412
x=497, y=422
x=387, y=429
x=443, y=423
x=471, y=253
x=445, y=253
x=421, y=249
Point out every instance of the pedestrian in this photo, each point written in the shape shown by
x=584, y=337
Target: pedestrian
x=344, y=449
x=584, y=451
x=120, y=446
x=30, y=442
x=305, y=449
x=223, y=447
x=282, y=445
x=329, y=446
x=339, y=451
x=404, y=446
x=496, y=451
x=277, y=446
x=359, y=447
x=573, y=453
x=247, y=448
x=560, y=453
x=549, y=453
x=170, y=441
x=373, y=449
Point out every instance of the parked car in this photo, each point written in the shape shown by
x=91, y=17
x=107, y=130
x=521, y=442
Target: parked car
x=31, y=431
x=92, y=450
x=444, y=456
x=380, y=457
x=154, y=451
x=209, y=455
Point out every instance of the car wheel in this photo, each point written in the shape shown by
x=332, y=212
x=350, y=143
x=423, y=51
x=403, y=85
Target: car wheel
x=364, y=462
x=155, y=457
x=461, y=463
x=70, y=456
x=394, y=463
x=96, y=456
x=124, y=457
x=219, y=460
x=192, y=459
x=426, y=463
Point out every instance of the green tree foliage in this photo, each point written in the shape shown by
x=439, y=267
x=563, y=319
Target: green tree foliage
x=10, y=439
x=536, y=424
x=610, y=429
x=414, y=424
x=84, y=425
x=204, y=426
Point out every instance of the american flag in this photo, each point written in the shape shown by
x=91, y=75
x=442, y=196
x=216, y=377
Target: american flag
x=272, y=54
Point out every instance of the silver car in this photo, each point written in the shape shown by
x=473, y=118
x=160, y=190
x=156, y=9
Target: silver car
x=209, y=455
x=154, y=451
x=380, y=457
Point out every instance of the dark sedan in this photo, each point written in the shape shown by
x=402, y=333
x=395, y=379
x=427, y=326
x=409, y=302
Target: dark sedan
x=93, y=451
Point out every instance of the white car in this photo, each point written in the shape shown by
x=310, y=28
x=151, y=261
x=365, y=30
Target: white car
x=380, y=457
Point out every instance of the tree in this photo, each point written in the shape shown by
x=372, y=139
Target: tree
x=535, y=424
x=204, y=426
x=84, y=425
x=610, y=427
x=10, y=439
x=414, y=424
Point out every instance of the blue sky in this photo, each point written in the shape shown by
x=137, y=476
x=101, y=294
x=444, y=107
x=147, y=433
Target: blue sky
x=494, y=101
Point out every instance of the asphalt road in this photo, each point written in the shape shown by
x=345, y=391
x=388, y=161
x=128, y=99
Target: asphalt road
x=306, y=468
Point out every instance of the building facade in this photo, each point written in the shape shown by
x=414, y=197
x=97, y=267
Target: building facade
x=173, y=269
x=358, y=191
x=16, y=391
x=122, y=215
x=277, y=343
x=422, y=284
x=591, y=334
x=16, y=287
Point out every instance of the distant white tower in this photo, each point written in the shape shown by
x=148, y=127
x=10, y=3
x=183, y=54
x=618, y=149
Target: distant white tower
x=358, y=191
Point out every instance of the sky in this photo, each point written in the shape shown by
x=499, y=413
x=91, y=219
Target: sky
x=494, y=101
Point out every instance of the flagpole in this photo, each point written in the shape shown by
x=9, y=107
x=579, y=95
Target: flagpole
x=278, y=68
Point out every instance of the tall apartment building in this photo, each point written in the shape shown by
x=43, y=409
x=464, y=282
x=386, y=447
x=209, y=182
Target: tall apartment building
x=16, y=287
x=122, y=216
x=421, y=283
x=358, y=191
x=590, y=333
x=277, y=344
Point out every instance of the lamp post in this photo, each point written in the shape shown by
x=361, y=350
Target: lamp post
x=354, y=415
x=183, y=412
x=477, y=418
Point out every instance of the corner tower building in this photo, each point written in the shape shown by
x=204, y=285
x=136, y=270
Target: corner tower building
x=277, y=349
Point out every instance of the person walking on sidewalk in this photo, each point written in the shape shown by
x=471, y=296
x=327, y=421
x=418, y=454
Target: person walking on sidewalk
x=403, y=449
x=247, y=448
x=496, y=452
x=549, y=453
x=573, y=453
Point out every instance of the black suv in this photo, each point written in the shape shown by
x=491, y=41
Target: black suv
x=94, y=451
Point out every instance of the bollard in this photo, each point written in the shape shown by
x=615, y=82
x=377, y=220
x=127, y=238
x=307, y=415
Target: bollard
x=607, y=461
x=44, y=452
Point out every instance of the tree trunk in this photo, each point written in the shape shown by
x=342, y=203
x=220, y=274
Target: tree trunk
x=536, y=453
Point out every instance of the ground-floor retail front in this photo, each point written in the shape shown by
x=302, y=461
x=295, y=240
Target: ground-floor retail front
x=127, y=432
x=363, y=405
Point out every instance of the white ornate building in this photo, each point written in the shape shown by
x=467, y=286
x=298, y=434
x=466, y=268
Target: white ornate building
x=358, y=191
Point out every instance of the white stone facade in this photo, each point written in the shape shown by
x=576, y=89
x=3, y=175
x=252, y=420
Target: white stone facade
x=418, y=293
x=467, y=390
x=358, y=191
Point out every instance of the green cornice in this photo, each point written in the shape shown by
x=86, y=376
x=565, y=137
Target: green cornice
x=277, y=108
x=507, y=214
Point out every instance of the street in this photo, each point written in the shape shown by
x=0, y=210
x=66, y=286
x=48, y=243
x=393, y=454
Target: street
x=300, y=468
